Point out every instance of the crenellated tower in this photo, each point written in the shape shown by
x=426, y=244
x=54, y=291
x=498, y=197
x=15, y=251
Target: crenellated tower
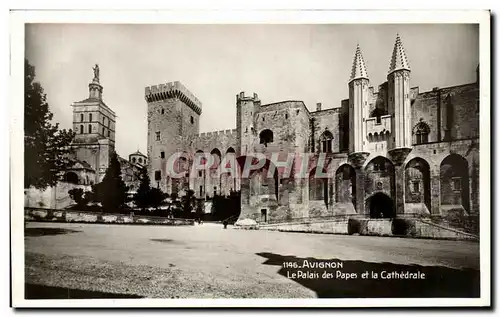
x=246, y=109
x=173, y=117
x=358, y=99
x=398, y=80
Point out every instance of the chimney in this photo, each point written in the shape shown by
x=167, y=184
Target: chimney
x=318, y=106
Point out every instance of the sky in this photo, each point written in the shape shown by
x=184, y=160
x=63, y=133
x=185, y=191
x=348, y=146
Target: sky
x=311, y=63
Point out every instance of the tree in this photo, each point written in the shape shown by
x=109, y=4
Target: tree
x=46, y=148
x=188, y=203
x=81, y=197
x=112, y=191
x=141, y=198
x=174, y=197
x=156, y=197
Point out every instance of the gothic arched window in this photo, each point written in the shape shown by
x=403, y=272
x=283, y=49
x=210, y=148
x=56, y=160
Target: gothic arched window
x=421, y=132
x=326, y=140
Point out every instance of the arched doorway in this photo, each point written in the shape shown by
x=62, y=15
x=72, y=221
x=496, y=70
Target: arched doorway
x=200, y=179
x=318, y=186
x=417, y=183
x=380, y=206
x=345, y=184
x=215, y=178
x=228, y=181
x=454, y=179
x=71, y=177
x=380, y=176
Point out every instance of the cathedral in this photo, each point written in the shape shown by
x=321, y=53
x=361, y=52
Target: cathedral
x=93, y=146
x=393, y=151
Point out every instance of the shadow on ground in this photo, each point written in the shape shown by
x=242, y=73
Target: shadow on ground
x=439, y=281
x=35, y=291
x=162, y=240
x=37, y=232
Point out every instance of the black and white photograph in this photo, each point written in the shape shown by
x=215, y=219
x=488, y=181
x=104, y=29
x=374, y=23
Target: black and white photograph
x=163, y=161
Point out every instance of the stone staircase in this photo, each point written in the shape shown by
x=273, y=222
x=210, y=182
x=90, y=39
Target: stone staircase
x=413, y=227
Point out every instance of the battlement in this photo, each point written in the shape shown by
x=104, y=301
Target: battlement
x=172, y=90
x=214, y=134
x=241, y=97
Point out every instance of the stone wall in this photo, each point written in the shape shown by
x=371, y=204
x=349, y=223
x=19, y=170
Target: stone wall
x=281, y=119
x=56, y=215
x=451, y=113
x=52, y=197
x=410, y=228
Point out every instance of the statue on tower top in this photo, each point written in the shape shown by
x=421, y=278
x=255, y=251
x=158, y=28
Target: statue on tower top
x=96, y=72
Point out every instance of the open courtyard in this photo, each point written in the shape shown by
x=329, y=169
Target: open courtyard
x=65, y=260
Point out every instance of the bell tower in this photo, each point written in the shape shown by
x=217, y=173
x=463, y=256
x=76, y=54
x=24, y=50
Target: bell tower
x=94, y=124
x=358, y=99
x=398, y=80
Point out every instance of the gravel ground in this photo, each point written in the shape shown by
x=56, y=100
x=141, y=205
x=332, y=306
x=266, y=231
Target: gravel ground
x=209, y=262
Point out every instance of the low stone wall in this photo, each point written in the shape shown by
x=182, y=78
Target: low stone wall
x=431, y=230
x=400, y=227
x=327, y=226
x=55, y=215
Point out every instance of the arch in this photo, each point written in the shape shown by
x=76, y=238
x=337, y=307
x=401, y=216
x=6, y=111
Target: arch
x=81, y=129
x=182, y=164
x=81, y=117
x=140, y=160
x=133, y=160
x=345, y=184
x=454, y=182
x=266, y=136
x=90, y=128
x=318, y=186
x=380, y=205
x=370, y=137
x=216, y=155
x=215, y=179
x=226, y=178
x=417, y=182
x=71, y=177
x=326, y=140
x=375, y=137
x=380, y=176
x=90, y=117
x=201, y=156
x=421, y=132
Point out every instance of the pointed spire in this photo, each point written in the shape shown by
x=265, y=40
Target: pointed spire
x=398, y=60
x=358, y=69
